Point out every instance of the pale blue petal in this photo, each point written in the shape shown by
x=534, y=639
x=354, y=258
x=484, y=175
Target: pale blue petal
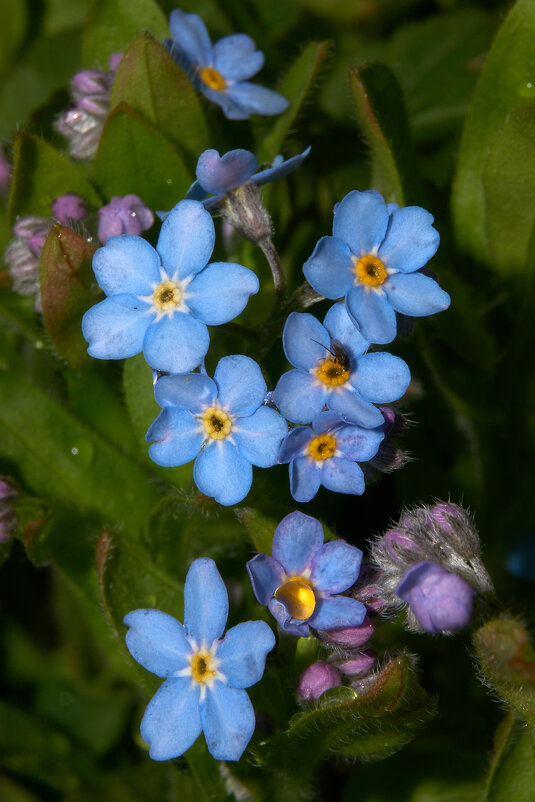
x=258, y=437
x=336, y=567
x=299, y=396
x=186, y=239
x=410, y=240
x=178, y=437
x=191, y=37
x=279, y=170
x=205, y=602
x=228, y=721
x=115, y=327
x=176, y=343
x=195, y=192
x=342, y=476
x=295, y=443
x=328, y=421
x=172, y=720
x=219, y=174
x=220, y=471
x=350, y=406
x=296, y=541
x=372, y=313
x=415, y=294
x=127, y=264
x=192, y=391
x=305, y=478
x=360, y=221
x=381, y=377
x=266, y=575
x=220, y=292
x=305, y=340
x=257, y=99
x=231, y=109
x=237, y=58
x=242, y=653
x=241, y=385
x=358, y=444
x=337, y=612
x=157, y=641
x=330, y=268
x=343, y=329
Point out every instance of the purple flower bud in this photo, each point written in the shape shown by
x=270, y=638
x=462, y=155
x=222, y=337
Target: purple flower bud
x=35, y=244
x=395, y=422
x=359, y=665
x=440, y=601
x=5, y=174
x=444, y=513
x=95, y=104
x=89, y=82
x=69, y=207
x=398, y=544
x=127, y=215
x=7, y=513
x=114, y=61
x=316, y=679
x=352, y=637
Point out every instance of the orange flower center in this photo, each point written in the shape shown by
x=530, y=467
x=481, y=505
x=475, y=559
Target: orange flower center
x=322, y=447
x=370, y=270
x=212, y=79
x=332, y=373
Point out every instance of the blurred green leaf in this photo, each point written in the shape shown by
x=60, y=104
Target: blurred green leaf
x=112, y=24
x=512, y=774
x=13, y=18
x=259, y=527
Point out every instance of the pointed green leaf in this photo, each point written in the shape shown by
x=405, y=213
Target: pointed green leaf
x=512, y=774
x=112, y=24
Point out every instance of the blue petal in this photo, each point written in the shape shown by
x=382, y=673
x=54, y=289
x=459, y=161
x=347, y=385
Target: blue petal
x=372, y=313
x=195, y=192
x=305, y=340
x=218, y=174
x=327, y=422
x=358, y=444
x=258, y=437
x=115, y=327
x=295, y=443
x=237, y=58
x=205, y=602
x=342, y=476
x=190, y=36
x=410, y=240
x=228, y=721
x=241, y=385
x=242, y=653
x=186, y=239
x=157, y=641
x=127, y=264
x=336, y=567
x=305, y=478
x=350, y=406
x=342, y=328
x=296, y=541
x=192, y=391
x=337, y=612
x=290, y=625
x=178, y=437
x=220, y=292
x=176, y=343
x=266, y=575
x=381, y=377
x=360, y=221
x=415, y=294
x=299, y=396
x=220, y=471
x=257, y=99
x=231, y=109
x=172, y=720
x=330, y=268
x=280, y=170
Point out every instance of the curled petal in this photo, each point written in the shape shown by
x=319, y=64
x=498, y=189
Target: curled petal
x=295, y=443
x=219, y=174
x=280, y=169
x=266, y=575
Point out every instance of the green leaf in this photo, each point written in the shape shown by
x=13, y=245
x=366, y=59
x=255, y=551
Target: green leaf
x=40, y=175
x=153, y=170
x=13, y=16
x=112, y=24
x=512, y=774
x=506, y=79
x=260, y=528
x=383, y=120
x=152, y=84
x=66, y=278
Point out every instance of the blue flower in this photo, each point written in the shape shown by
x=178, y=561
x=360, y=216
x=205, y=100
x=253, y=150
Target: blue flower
x=159, y=301
x=204, y=673
x=327, y=453
x=221, y=423
x=217, y=175
x=373, y=261
x=300, y=583
x=221, y=71
x=332, y=369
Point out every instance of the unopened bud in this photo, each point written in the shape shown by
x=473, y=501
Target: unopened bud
x=349, y=637
x=358, y=665
x=69, y=207
x=127, y=215
x=438, y=600
x=395, y=423
x=316, y=679
x=243, y=208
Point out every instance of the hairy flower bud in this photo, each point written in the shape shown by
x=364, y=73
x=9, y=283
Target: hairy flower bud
x=243, y=208
x=349, y=637
x=127, y=215
x=359, y=664
x=69, y=207
x=23, y=253
x=316, y=679
x=438, y=600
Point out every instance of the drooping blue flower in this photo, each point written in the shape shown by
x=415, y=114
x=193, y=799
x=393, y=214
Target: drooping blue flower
x=221, y=71
x=205, y=674
x=327, y=453
x=374, y=261
x=160, y=301
x=300, y=583
x=440, y=600
x=333, y=369
x=221, y=423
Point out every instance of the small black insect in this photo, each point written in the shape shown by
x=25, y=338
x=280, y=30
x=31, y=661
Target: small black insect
x=338, y=352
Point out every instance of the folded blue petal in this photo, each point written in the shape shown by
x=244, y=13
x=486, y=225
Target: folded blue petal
x=205, y=602
x=266, y=575
x=157, y=641
x=218, y=175
x=242, y=653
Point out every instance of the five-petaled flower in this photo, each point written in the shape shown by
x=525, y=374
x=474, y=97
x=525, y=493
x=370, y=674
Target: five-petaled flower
x=332, y=369
x=373, y=261
x=221, y=71
x=219, y=422
x=327, y=453
x=205, y=674
x=159, y=301
x=300, y=583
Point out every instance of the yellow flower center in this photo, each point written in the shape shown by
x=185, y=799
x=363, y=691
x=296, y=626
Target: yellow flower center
x=332, y=373
x=212, y=79
x=322, y=447
x=217, y=423
x=203, y=666
x=370, y=270
x=167, y=296
x=298, y=597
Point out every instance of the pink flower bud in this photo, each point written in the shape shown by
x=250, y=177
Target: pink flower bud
x=359, y=665
x=316, y=679
x=69, y=207
x=352, y=637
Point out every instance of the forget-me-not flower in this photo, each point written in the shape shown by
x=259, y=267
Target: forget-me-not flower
x=160, y=300
x=221, y=71
x=300, y=583
x=205, y=674
x=332, y=369
x=219, y=422
x=327, y=453
x=373, y=261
